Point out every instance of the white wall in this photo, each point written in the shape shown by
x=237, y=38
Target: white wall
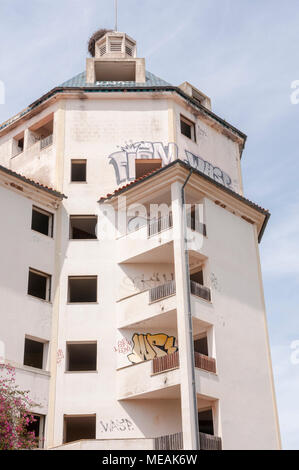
x=20, y=313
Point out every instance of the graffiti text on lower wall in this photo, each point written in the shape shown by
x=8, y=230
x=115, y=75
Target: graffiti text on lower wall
x=119, y=425
x=148, y=347
x=123, y=161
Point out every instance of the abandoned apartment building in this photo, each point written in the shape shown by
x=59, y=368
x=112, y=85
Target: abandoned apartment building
x=155, y=335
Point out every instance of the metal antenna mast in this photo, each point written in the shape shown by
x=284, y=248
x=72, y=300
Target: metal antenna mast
x=116, y=26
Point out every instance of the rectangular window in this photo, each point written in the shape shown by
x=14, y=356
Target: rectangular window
x=79, y=427
x=42, y=221
x=205, y=422
x=39, y=284
x=78, y=171
x=197, y=277
x=37, y=426
x=33, y=353
x=188, y=128
x=83, y=227
x=83, y=289
x=201, y=346
x=145, y=166
x=81, y=357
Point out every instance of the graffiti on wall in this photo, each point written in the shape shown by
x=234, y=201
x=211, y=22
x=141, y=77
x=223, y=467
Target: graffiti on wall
x=123, y=161
x=147, y=347
x=119, y=425
x=123, y=346
x=144, y=283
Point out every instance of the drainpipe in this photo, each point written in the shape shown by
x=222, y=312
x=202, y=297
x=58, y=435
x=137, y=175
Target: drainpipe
x=189, y=314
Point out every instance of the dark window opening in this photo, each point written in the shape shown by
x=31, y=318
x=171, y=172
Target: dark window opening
x=42, y=221
x=79, y=427
x=201, y=346
x=39, y=284
x=205, y=422
x=82, y=357
x=78, y=170
x=37, y=426
x=197, y=277
x=83, y=227
x=33, y=353
x=83, y=289
x=188, y=128
x=21, y=144
x=144, y=167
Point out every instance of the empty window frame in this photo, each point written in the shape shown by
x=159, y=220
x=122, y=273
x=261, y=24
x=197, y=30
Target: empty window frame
x=81, y=357
x=201, y=345
x=82, y=289
x=79, y=427
x=205, y=422
x=188, y=128
x=39, y=284
x=78, y=171
x=33, y=353
x=145, y=166
x=83, y=227
x=197, y=277
x=38, y=427
x=42, y=221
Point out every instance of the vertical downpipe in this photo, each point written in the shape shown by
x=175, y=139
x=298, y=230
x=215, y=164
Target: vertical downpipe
x=189, y=314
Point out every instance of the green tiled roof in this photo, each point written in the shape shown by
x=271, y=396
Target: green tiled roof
x=80, y=81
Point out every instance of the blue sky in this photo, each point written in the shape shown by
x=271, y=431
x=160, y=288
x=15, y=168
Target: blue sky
x=242, y=53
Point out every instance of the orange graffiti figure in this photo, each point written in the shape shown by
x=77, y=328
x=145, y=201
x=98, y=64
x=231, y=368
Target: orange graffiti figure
x=147, y=347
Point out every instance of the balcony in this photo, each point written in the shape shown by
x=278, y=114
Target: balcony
x=165, y=363
x=46, y=142
x=159, y=225
x=175, y=442
x=146, y=305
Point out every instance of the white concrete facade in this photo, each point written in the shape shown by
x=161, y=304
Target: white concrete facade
x=132, y=404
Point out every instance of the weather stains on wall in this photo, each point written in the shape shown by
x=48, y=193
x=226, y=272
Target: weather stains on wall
x=147, y=347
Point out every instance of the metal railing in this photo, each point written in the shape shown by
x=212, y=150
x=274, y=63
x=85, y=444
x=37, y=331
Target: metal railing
x=197, y=226
x=172, y=361
x=209, y=442
x=205, y=362
x=175, y=442
x=162, y=291
x=168, y=289
x=200, y=291
x=158, y=225
x=161, y=364
x=171, y=442
x=46, y=142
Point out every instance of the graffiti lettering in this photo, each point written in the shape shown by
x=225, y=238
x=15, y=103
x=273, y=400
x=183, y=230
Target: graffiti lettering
x=123, y=346
x=123, y=161
x=147, y=347
x=60, y=356
x=140, y=283
x=119, y=425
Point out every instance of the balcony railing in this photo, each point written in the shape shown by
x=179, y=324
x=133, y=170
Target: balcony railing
x=200, y=291
x=164, y=363
x=208, y=442
x=162, y=291
x=197, y=226
x=175, y=442
x=172, y=361
x=46, y=142
x=205, y=362
x=168, y=289
x=157, y=226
